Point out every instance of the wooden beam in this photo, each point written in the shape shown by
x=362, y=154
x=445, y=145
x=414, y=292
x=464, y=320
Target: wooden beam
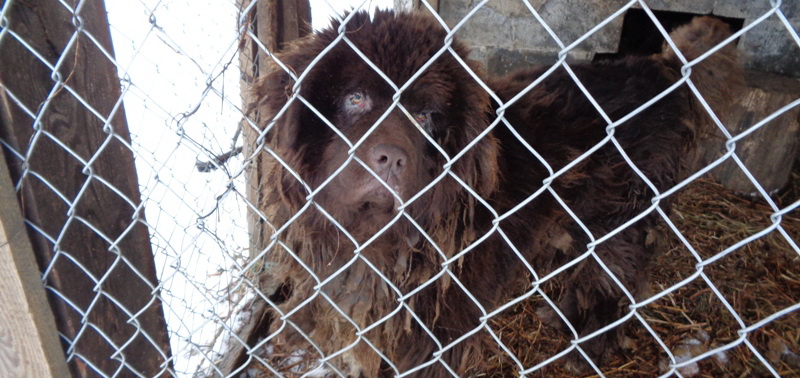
x=101, y=275
x=275, y=23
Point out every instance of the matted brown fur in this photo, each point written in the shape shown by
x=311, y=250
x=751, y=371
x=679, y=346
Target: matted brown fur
x=555, y=119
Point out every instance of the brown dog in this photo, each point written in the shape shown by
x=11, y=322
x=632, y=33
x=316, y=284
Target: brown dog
x=392, y=264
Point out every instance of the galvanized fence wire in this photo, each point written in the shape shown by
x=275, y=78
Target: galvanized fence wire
x=188, y=228
x=40, y=134
x=590, y=253
x=183, y=231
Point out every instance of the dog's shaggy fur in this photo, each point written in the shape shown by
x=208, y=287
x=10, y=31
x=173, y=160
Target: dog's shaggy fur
x=430, y=305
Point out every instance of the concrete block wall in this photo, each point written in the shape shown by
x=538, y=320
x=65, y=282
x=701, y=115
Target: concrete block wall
x=505, y=35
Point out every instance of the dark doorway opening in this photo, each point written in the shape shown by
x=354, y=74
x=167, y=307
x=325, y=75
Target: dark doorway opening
x=641, y=37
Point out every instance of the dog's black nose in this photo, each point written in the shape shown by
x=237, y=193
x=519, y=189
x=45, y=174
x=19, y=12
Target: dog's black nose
x=386, y=158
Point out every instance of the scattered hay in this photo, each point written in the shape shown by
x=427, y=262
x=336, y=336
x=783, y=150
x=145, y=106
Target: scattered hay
x=757, y=280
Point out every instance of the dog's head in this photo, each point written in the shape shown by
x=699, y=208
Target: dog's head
x=336, y=99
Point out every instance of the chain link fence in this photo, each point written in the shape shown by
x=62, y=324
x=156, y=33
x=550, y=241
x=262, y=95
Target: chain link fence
x=724, y=290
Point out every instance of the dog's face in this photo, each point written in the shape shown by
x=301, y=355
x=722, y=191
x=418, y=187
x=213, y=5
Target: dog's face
x=346, y=123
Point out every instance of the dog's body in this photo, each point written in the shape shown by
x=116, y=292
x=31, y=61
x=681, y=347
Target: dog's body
x=335, y=293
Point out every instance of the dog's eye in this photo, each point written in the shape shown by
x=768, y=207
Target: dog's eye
x=424, y=119
x=357, y=103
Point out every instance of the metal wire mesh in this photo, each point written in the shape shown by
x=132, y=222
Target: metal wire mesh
x=187, y=112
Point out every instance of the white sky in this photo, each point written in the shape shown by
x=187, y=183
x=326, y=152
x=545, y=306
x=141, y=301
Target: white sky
x=182, y=106
x=322, y=11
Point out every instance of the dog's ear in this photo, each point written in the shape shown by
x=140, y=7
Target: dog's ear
x=275, y=90
x=282, y=135
x=480, y=166
x=280, y=110
x=484, y=159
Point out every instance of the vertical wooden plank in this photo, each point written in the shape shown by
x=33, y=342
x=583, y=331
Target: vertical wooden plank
x=101, y=273
x=274, y=23
x=29, y=345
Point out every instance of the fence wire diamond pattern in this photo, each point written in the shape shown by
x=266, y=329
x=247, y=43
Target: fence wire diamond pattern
x=179, y=83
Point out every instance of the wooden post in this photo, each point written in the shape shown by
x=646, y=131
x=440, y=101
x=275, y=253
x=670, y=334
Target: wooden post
x=89, y=234
x=275, y=23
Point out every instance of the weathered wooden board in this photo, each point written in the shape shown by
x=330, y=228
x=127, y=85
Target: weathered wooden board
x=29, y=345
x=101, y=275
